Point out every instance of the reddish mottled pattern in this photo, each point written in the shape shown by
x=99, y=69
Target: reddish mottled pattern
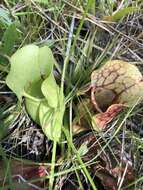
x=102, y=119
x=123, y=80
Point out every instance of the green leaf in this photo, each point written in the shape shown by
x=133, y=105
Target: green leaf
x=51, y=91
x=52, y=124
x=32, y=108
x=5, y=17
x=46, y=61
x=83, y=149
x=51, y=120
x=33, y=99
x=9, y=38
x=44, y=111
x=45, y=104
x=28, y=65
x=92, y=7
x=121, y=13
x=24, y=69
x=46, y=2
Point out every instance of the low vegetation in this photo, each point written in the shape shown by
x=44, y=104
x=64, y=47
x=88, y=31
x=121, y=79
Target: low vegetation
x=71, y=95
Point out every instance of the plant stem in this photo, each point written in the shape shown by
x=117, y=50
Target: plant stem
x=51, y=179
x=66, y=132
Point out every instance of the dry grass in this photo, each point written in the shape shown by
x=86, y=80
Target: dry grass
x=70, y=28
